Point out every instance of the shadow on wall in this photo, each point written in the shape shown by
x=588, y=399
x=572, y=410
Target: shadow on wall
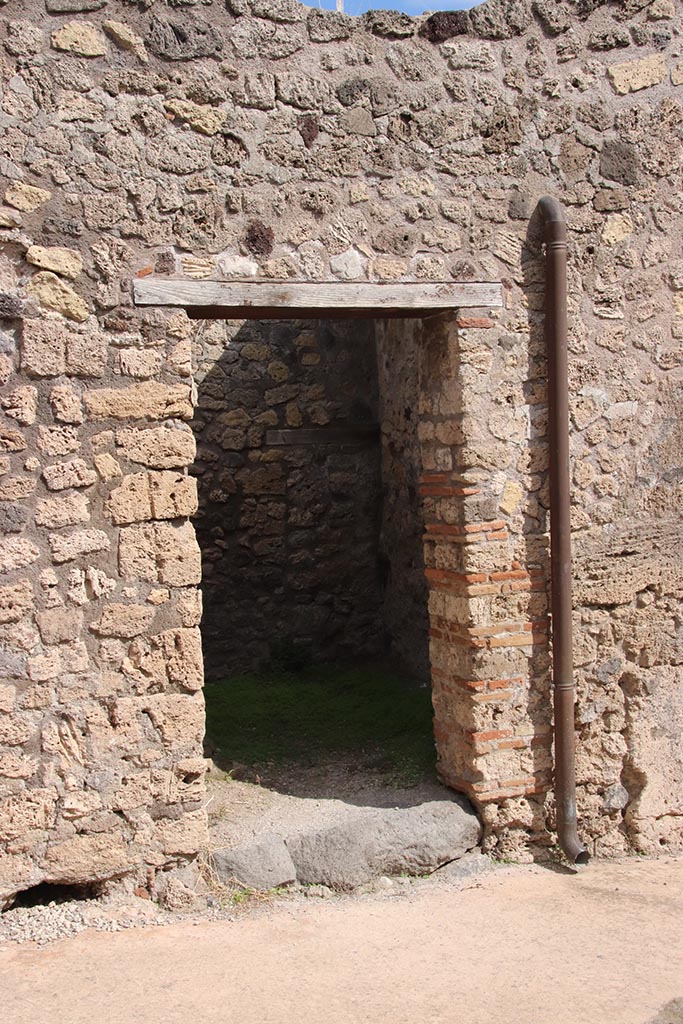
x=289, y=469
x=534, y=542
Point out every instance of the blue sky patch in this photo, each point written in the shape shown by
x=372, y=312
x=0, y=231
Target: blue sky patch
x=413, y=7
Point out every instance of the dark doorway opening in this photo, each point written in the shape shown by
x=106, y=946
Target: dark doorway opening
x=315, y=627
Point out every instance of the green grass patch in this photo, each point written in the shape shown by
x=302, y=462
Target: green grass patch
x=368, y=717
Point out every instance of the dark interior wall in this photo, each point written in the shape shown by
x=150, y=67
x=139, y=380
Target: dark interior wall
x=405, y=593
x=290, y=492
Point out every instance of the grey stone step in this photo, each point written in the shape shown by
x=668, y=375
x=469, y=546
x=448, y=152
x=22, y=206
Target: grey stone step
x=375, y=842
x=263, y=865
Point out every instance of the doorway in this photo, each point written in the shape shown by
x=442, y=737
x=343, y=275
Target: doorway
x=315, y=626
x=410, y=403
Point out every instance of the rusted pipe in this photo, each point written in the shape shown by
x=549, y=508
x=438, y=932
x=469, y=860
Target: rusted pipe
x=560, y=529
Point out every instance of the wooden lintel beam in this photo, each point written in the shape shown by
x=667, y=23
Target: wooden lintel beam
x=286, y=299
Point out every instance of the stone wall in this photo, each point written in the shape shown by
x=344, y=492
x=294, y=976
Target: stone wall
x=269, y=140
x=290, y=503
x=405, y=596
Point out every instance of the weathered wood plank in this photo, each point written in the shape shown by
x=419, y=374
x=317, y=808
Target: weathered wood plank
x=248, y=298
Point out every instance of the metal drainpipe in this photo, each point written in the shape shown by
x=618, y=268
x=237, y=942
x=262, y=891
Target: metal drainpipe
x=560, y=529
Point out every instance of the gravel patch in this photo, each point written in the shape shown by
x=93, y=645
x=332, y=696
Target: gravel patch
x=240, y=812
x=50, y=922
x=53, y=922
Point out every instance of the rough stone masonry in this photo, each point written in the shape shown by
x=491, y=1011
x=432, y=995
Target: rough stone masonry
x=263, y=139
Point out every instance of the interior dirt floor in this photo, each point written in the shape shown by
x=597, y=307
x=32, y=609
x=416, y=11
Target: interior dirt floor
x=520, y=945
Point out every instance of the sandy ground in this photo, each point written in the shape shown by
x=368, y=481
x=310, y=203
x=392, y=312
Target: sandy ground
x=524, y=945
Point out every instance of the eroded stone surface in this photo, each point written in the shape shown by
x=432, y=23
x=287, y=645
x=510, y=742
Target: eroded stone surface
x=67, y=547
x=127, y=39
x=262, y=866
x=52, y=293
x=16, y=553
x=158, y=448
x=409, y=840
x=148, y=496
x=25, y=197
x=151, y=400
x=633, y=75
x=80, y=37
x=67, y=511
x=63, y=261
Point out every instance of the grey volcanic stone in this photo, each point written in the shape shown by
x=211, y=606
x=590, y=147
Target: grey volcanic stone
x=11, y=306
x=552, y=15
x=182, y=40
x=391, y=24
x=608, y=200
x=501, y=19
x=443, y=25
x=615, y=797
x=285, y=11
x=585, y=8
x=327, y=26
x=12, y=518
x=353, y=90
x=474, y=863
x=408, y=840
x=609, y=38
x=619, y=161
x=264, y=865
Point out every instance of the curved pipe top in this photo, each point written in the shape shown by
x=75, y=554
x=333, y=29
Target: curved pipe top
x=555, y=229
x=551, y=210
